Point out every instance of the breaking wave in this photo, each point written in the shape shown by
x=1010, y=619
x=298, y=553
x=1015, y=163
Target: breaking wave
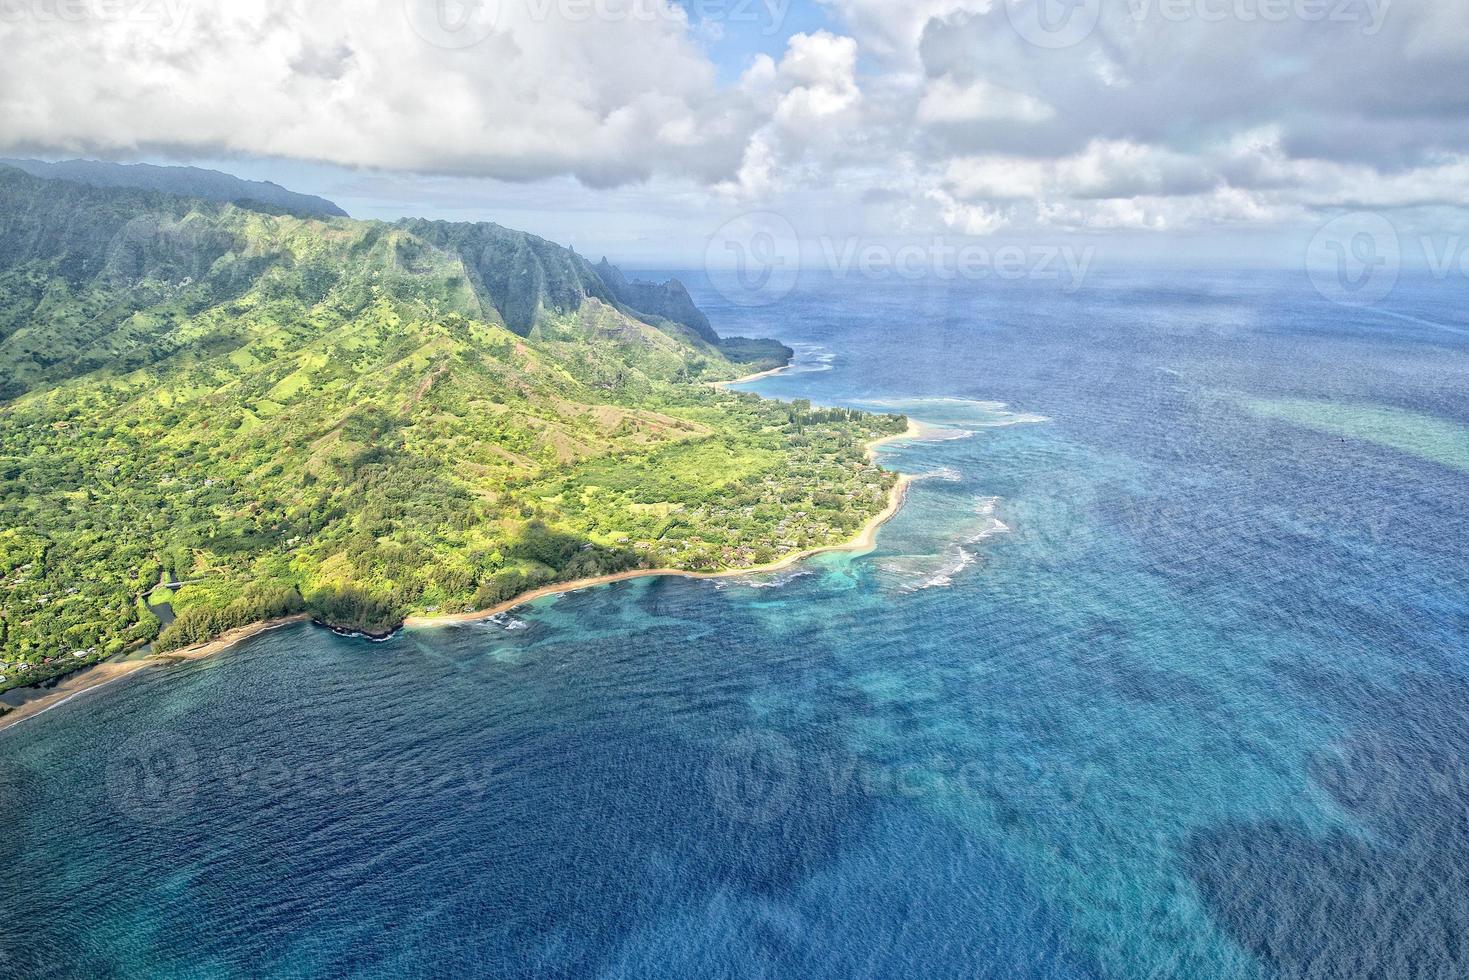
x=938, y=569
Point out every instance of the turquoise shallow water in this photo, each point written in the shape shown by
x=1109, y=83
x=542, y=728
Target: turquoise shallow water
x=1161, y=672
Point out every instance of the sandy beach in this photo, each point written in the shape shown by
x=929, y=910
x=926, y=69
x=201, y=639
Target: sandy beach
x=104, y=673
x=864, y=542
x=107, y=672
x=753, y=377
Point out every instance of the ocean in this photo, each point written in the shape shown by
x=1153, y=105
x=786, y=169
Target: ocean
x=1162, y=671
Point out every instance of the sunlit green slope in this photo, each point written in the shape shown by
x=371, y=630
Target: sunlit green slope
x=359, y=419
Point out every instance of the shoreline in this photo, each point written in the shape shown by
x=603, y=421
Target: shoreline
x=864, y=542
x=106, y=672
x=770, y=373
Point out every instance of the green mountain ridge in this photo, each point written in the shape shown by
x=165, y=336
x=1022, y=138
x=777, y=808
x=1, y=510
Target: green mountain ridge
x=669, y=300
x=207, y=185
x=362, y=420
x=132, y=246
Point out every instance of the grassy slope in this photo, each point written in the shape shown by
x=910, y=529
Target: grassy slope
x=291, y=413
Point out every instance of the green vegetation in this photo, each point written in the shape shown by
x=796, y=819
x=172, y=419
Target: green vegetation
x=269, y=414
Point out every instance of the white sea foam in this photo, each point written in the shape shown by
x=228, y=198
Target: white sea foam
x=1014, y=418
x=918, y=572
x=499, y=621
x=774, y=580
x=958, y=412
x=359, y=635
x=759, y=580
x=944, y=434
x=985, y=507
x=811, y=359
x=939, y=569
x=958, y=560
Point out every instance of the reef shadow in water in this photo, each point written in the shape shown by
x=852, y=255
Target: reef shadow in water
x=1390, y=901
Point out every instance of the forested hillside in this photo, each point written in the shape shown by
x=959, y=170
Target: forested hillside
x=207, y=185
x=271, y=413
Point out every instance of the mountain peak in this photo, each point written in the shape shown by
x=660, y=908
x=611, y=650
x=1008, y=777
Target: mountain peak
x=667, y=300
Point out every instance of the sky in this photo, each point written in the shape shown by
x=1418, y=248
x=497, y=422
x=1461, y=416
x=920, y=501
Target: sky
x=678, y=133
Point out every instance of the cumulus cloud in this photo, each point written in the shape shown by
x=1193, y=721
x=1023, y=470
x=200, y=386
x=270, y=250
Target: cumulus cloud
x=890, y=31
x=812, y=100
x=938, y=114
x=1105, y=169
x=820, y=76
x=948, y=101
x=382, y=83
x=1171, y=115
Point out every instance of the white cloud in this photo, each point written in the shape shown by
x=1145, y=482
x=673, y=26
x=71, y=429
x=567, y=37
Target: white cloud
x=605, y=99
x=891, y=30
x=1248, y=179
x=948, y=101
x=967, y=219
x=813, y=101
x=819, y=74
x=931, y=114
x=1105, y=169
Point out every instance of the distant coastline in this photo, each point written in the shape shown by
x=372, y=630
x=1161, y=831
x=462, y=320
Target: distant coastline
x=106, y=672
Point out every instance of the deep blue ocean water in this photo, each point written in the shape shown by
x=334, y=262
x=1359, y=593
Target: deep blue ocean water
x=1162, y=672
